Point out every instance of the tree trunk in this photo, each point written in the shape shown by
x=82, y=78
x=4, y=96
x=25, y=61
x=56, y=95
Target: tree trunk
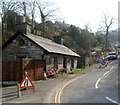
x=106, y=43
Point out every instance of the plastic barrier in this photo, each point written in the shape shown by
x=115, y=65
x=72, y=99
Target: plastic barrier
x=51, y=72
x=103, y=63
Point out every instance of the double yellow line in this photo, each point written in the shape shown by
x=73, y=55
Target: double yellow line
x=58, y=94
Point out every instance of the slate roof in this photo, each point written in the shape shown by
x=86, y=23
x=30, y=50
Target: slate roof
x=51, y=46
x=47, y=44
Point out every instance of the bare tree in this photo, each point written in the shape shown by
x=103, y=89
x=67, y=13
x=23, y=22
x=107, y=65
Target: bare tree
x=32, y=9
x=108, y=22
x=28, y=10
x=6, y=7
x=45, y=13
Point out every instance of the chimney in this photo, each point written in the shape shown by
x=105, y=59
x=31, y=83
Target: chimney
x=24, y=26
x=58, y=39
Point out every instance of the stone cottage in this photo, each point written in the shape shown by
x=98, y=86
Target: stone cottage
x=25, y=52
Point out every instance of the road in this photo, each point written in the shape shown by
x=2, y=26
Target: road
x=92, y=85
x=98, y=86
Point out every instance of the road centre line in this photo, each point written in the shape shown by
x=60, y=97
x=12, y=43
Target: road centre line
x=111, y=68
x=106, y=73
x=58, y=94
x=112, y=100
x=96, y=84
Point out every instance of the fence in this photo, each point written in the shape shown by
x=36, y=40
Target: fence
x=15, y=70
x=11, y=92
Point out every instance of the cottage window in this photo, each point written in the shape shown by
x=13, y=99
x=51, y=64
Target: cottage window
x=64, y=62
x=49, y=62
x=68, y=61
x=56, y=62
x=72, y=62
x=60, y=63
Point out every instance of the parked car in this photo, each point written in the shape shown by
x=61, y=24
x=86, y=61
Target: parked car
x=112, y=55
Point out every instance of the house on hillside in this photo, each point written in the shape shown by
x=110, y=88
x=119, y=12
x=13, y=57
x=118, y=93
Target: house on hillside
x=62, y=25
x=25, y=52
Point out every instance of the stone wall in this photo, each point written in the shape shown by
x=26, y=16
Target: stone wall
x=59, y=62
x=21, y=47
x=68, y=64
x=75, y=63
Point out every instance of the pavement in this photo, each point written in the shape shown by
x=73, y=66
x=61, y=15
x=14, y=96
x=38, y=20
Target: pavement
x=45, y=90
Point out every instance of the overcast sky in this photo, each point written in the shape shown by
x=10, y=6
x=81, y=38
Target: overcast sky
x=81, y=12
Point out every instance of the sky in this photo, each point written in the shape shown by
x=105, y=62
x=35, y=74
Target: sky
x=90, y=12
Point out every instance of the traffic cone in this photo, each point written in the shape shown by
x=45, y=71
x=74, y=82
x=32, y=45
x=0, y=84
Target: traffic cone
x=100, y=65
x=45, y=76
x=106, y=64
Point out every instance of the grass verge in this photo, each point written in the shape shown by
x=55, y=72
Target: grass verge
x=69, y=73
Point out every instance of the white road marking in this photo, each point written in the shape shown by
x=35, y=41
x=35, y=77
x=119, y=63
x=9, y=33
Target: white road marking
x=96, y=85
x=111, y=68
x=108, y=97
x=106, y=73
x=112, y=100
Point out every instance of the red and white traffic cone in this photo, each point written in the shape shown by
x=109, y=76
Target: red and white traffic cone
x=45, y=76
x=106, y=64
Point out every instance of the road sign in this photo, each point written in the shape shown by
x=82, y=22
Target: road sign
x=103, y=63
x=26, y=82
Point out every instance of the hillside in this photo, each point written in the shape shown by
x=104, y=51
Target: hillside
x=113, y=36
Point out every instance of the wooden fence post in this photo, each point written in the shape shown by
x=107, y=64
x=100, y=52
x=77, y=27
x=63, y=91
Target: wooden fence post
x=18, y=90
